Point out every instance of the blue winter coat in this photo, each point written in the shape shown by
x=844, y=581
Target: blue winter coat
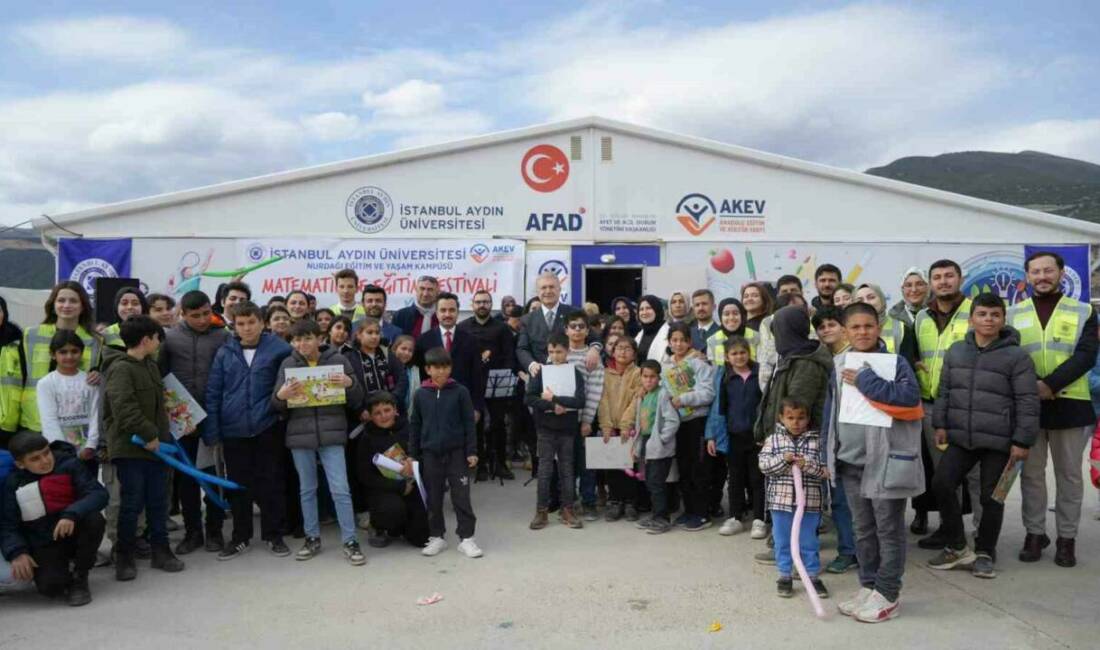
x=744, y=416
x=1094, y=386
x=238, y=396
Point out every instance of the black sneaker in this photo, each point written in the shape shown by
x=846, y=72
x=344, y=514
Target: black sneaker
x=354, y=554
x=784, y=588
x=631, y=513
x=983, y=567
x=615, y=512
x=819, y=587
x=232, y=550
x=278, y=547
x=142, y=549
x=214, y=543
x=311, y=547
x=377, y=538
x=696, y=523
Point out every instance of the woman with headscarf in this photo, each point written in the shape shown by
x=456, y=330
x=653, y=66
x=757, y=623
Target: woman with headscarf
x=898, y=336
x=129, y=301
x=679, y=309
x=623, y=307
x=652, y=338
x=13, y=374
x=731, y=322
x=914, y=296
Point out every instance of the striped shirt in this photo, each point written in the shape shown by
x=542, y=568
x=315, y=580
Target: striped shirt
x=593, y=383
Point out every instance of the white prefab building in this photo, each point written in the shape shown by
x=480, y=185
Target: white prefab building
x=614, y=208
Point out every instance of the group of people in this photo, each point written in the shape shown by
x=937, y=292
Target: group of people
x=706, y=402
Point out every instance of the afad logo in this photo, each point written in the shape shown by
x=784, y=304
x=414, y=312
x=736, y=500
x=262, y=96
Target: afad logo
x=544, y=168
x=479, y=253
x=696, y=213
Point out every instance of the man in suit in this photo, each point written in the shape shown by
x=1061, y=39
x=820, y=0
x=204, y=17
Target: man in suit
x=546, y=319
x=462, y=346
x=702, y=306
x=420, y=317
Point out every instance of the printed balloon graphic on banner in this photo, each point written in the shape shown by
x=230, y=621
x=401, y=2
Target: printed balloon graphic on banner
x=999, y=271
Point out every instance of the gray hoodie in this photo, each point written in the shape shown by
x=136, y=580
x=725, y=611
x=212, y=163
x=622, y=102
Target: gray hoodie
x=661, y=442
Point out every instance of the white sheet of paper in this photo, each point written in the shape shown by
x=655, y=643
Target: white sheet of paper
x=854, y=407
x=613, y=455
x=561, y=380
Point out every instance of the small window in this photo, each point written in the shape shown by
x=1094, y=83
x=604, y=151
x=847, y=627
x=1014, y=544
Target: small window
x=575, y=147
x=605, y=148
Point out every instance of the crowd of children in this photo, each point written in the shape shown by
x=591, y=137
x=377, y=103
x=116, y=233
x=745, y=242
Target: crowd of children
x=703, y=404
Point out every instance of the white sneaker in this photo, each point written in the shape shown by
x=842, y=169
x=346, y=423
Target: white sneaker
x=731, y=526
x=362, y=520
x=759, y=529
x=852, y=605
x=435, y=546
x=469, y=548
x=876, y=609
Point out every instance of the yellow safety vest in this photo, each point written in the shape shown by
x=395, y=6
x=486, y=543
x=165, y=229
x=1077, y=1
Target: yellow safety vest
x=1054, y=345
x=356, y=318
x=36, y=343
x=933, y=345
x=716, y=346
x=893, y=331
x=111, y=335
x=11, y=386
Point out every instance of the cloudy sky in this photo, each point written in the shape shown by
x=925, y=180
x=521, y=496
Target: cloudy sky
x=121, y=101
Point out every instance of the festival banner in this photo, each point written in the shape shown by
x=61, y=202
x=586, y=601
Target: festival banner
x=85, y=260
x=278, y=266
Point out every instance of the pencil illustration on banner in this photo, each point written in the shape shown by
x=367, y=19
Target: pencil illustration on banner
x=750, y=264
x=854, y=274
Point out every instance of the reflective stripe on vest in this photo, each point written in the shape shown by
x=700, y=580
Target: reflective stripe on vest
x=356, y=318
x=11, y=387
x=36, y=343
x=892, y=334
x=933, y=345
x=716, y=346
x=1052, y=346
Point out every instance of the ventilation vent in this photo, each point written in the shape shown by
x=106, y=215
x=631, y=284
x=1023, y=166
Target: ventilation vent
x=575, y=147
x=605, y=148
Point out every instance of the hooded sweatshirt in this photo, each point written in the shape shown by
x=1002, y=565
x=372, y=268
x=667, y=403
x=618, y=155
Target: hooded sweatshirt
x=393, y=443
x=442, y=420
x=803, y=371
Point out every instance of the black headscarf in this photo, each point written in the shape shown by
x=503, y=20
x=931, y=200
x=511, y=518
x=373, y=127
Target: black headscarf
x=791, y=327
x=631, y=325
x=740, y=331
x=9, y=333
x=126, y=291
x=649, y=331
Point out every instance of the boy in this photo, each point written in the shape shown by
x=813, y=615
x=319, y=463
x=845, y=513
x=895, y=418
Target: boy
x=314, y=432
x=577, y=329
x=656, y=422
x=879, y=467
x=240, y=417
x=973, y=425
x=830, y=330
x=557, y=425
x=188, y=352
x=791, y=444
x=163, y=309
x=134, y=405
x=50, y=517
x=444, y=440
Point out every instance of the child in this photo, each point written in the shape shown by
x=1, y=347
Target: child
x=68, y=406
x=51, y=518
x=404, y=348
x=557, y=425
x=129, y=301
x=879, y=467
x=973, y=425
x=729, y=436
x=239, y=416
x=339, y=333
x=314, y=432
x=163, y=309
x=577, y=329
x=830, y=331
x=444, y=440
x=617, y=414
x=393, y=499
x=791, y=444
x=690, y=382
x=656, y=420
x=134, y=405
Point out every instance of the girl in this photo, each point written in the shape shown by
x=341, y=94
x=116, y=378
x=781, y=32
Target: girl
x=13, y=374
x=297, y=303
x=843, y=296
x=652, y=340
x=324, y=318
x=758, y=303
x=278, y=321
x=339, y=332
x=677, y=307
x=618, y=405
x=129, y=301
x=624, y=309
x=730, y=438
x=690, y=382
x=67, y=308
x=404, y=347
x=731, y=321
x=67, y=405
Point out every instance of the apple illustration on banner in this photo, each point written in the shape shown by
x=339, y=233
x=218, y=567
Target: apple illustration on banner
x=722, y=260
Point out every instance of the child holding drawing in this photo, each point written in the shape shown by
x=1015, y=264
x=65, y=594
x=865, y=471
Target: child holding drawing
x=618, y=404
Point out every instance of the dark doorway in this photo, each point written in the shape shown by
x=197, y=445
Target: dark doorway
x=602, y=284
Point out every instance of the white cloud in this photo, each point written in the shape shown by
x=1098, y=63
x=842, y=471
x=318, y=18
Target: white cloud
x=410, y=98
x=108, y=38
x=332, y=126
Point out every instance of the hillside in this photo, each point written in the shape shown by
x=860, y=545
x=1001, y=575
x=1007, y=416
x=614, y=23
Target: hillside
x=1029, y=179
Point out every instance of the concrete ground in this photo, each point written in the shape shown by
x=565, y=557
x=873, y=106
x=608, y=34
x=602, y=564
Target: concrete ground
x=606, y=586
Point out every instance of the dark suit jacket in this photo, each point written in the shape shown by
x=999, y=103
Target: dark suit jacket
x=405, y=318
x=531, y=346
x=699, y=339
x=465, y=357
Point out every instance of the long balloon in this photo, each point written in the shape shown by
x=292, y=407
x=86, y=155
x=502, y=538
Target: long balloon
x=244, y=270
x=796, y=550
x=168, y=453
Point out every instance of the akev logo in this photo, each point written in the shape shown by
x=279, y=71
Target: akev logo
x=696, y=213
x=479, y=253
x=369, y=209
x=544, y=168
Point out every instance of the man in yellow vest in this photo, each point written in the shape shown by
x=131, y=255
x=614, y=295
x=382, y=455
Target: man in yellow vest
x=945, y=321
x=1060, y=334
x=347, y=287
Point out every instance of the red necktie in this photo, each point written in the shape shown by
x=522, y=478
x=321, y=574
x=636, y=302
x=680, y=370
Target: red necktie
x=447, y=341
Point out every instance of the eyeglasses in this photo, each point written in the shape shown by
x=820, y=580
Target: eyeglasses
x=578, y=326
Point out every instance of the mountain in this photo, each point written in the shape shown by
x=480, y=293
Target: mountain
x=1029, y=179
x=24, y=262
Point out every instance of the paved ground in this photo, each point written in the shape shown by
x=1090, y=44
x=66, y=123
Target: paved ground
x=605, y=586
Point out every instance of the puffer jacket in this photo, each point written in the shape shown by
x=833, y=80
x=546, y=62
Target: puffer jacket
x=661, y=441
x=733, y=412
x=317, y=426
x=188, y=355
x=238, y=395
x=133, y=404
x=618, y=402
x=803, y=376
x=988, y=399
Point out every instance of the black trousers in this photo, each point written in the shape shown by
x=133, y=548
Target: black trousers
x=950, y=473
x=492, y=436
x=553, y=447
x=399, y=514
x=355, y=486
x=656, y=482
x=689, y=458
x=257, y=465
x=52, y=575
x=745, y=476
x=190, y=495
x=448, y=468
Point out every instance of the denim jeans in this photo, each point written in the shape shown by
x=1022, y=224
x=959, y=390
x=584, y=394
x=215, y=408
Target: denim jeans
x=880, y=535
x=808, y=547
x=332, y=458
x=842, y=519
x=143, y=484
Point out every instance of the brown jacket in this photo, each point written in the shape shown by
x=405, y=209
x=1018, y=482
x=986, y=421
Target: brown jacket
x=620, y=398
